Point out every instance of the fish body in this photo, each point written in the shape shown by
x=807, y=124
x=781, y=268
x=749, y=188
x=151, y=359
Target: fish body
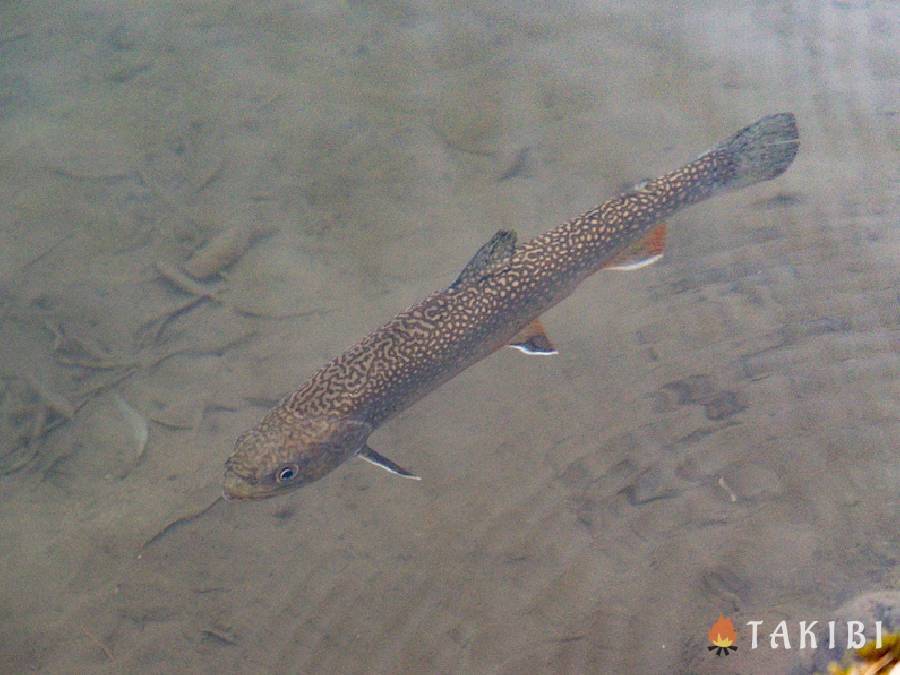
x=493, y=302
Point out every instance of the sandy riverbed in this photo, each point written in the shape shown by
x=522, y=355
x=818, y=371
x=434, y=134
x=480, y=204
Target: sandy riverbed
x=718, y=434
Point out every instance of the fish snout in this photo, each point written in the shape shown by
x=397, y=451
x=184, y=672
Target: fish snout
x=239, y=489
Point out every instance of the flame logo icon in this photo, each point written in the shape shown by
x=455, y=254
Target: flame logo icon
x=723, y=636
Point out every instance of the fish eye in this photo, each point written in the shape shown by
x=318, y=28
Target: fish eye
x=287, y=473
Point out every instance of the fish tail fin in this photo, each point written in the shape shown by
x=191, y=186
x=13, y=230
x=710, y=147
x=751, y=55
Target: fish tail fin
x=759, y=152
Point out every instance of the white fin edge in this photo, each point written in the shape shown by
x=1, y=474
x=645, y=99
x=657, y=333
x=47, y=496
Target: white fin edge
x=389, y=469
x=640, y=264
x=530, y=352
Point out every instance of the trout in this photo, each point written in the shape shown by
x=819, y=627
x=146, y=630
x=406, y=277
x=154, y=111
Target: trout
x=495, y=301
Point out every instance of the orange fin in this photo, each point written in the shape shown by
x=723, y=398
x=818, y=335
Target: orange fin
x=533, y=340
x=643, y=252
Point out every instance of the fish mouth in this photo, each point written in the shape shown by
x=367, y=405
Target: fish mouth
x=237, y=489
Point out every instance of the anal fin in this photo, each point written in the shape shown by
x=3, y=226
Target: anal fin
x=373, y=457
x=533, y=340
x=645, y=251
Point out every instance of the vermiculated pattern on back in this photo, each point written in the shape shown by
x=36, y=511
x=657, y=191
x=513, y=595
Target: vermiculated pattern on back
x=443, y=330
x=451, y=329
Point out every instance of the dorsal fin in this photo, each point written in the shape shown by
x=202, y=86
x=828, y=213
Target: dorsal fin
x=643, y=252
x=499, y=247
x=533, y=340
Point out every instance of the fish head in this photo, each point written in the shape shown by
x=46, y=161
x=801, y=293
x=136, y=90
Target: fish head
x=286, y=451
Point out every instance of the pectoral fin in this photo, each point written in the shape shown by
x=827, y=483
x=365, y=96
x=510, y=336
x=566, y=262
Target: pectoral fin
x=533, y=340
x=499, y=247
x=643, y=252
x=373, y=457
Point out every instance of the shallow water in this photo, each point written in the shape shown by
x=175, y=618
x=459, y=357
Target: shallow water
x=718, y=433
